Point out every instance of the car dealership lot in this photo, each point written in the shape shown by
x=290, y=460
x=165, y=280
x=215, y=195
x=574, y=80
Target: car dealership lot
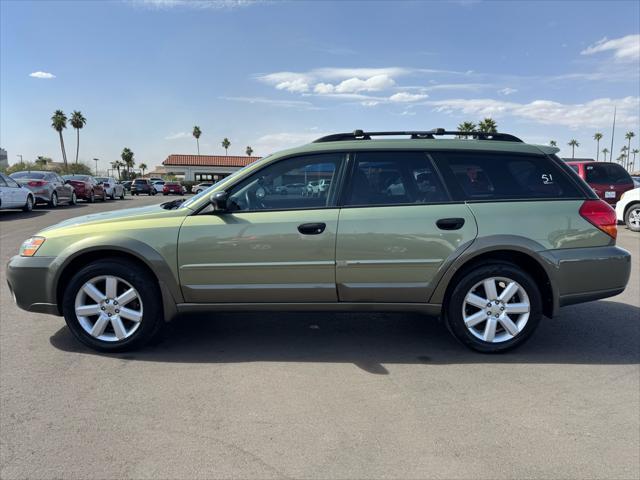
x=318, y=395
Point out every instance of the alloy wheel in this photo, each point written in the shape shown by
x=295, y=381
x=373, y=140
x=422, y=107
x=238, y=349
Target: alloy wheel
x=496, y=309
x=634, y=218
x=108, y=308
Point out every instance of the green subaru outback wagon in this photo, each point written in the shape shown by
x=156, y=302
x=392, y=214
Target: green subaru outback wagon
x=487, y=232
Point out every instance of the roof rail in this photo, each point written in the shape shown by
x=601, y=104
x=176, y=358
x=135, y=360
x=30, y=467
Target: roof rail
x=426, y=134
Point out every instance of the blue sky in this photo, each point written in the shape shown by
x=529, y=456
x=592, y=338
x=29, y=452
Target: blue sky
x=278, y=74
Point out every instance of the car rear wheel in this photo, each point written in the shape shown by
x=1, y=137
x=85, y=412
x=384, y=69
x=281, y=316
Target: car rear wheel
x=122, y=194
x=632, y=218
x=53, y=203
x=74, y=199
x=112, y=306
x=92, y=196
x=28, y=206
x=494, y=308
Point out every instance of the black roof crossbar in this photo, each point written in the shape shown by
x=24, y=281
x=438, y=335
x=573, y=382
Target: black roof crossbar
x=427, y=134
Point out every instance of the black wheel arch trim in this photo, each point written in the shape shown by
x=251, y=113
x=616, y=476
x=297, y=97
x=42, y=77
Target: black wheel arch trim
x=151, y=258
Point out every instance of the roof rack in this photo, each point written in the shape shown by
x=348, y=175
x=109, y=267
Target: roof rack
x=426, y=134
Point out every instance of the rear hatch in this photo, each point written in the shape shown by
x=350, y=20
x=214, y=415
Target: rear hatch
x=608, y=180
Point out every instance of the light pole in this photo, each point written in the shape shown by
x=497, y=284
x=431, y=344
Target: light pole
x=19, y=155
x=96, y=160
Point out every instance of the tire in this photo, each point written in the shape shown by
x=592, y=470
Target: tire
x=165, y=194
x=53, y=203
x=632, y=217
x=522, y=324
x=135, y=334
x=74, y=199
x=104, y=195
x=92, y=197
x=122, y=194
x=113, y=194
x=28, y=206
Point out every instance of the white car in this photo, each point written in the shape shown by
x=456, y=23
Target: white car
x=158, y=185
x=628, y=209
x=112, y=188
x=14, y=195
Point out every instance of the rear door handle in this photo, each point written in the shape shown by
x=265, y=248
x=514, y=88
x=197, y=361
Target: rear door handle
x=450, y=223
x=312, y=228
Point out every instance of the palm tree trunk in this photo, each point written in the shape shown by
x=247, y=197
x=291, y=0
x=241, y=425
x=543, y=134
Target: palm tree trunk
x=597, y=150
x=573, y=152
x=198, y=144
x=77, y=143
x=64, y=153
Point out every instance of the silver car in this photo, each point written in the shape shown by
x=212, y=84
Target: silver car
x=47, y=187
x=112, y=187
x=14, y=195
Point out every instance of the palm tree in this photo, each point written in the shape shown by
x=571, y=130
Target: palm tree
x=597, y=137
x=42, y=161
x=635, y=151
x=553, y=143
x=196, y=133
x=623, y=154
x=573, y=143
x=226, y=144
x=604, y=152
x=143, y=167
x=59, y=123
x=117, y=164
x=127, y=158
x=466, y=127
x=249, y=151
x=77, y=121
x=629, y=136
x=488, y=125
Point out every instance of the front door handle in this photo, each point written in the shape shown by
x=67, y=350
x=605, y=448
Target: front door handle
x=312, y=228
x=450, y=223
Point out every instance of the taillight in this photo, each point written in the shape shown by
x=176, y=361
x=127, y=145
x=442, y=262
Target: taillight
x=600, y=214
x=37, y=183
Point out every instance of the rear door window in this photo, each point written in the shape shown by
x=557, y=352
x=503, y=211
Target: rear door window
x=391, y=178
x=497, y=176
x=610, y=173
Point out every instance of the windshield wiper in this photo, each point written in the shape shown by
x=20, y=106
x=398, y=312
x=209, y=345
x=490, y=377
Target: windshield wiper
x=173, y=204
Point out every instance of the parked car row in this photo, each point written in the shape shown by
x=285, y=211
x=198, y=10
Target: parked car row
x=26, y=189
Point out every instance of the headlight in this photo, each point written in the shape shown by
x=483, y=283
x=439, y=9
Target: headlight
x=30, y=246
x=622, y=196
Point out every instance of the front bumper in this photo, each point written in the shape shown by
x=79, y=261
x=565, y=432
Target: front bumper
x=586, y=274
x=31, y=284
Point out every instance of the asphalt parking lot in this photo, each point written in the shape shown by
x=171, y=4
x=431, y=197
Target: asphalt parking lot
x=318, y=395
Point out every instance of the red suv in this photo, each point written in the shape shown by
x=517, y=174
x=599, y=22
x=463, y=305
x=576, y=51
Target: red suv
x=608, y=180
x=172, y=187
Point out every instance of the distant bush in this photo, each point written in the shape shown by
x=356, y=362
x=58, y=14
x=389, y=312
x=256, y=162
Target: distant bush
x=74, y=168
x=20, y=167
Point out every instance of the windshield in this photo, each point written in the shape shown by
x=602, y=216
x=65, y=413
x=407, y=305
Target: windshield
x=80, y=178
x=102, y=179
x=28, y=175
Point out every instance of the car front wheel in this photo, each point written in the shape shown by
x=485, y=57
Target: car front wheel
x=112, y=306
x=53, y=203
x=632, y=218
x=494, y=308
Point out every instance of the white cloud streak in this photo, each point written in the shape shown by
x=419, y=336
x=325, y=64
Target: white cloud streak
x=194, y=4
x=43, y=75
x=274, y=102
x=624, y=48
x=594, y=114
x=178, y=136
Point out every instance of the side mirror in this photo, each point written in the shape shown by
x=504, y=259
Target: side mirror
x=219, y=201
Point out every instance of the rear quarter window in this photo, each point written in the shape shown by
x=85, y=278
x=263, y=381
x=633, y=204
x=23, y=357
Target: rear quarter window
x=502, y=176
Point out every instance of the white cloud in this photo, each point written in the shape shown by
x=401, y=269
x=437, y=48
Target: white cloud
x=371, y=84
x=324, y=88
x=195, y=4
x=39, y=74
x=624, y=48
x=507, y=90
x=407, y=97
x=343, y=73
x=178, y=136
x=297, y=85
x=594, y=114
x=274, y=102
x=369, y=103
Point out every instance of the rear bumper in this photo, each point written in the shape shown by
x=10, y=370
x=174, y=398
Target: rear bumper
x=586, y=274
x=31, y=285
